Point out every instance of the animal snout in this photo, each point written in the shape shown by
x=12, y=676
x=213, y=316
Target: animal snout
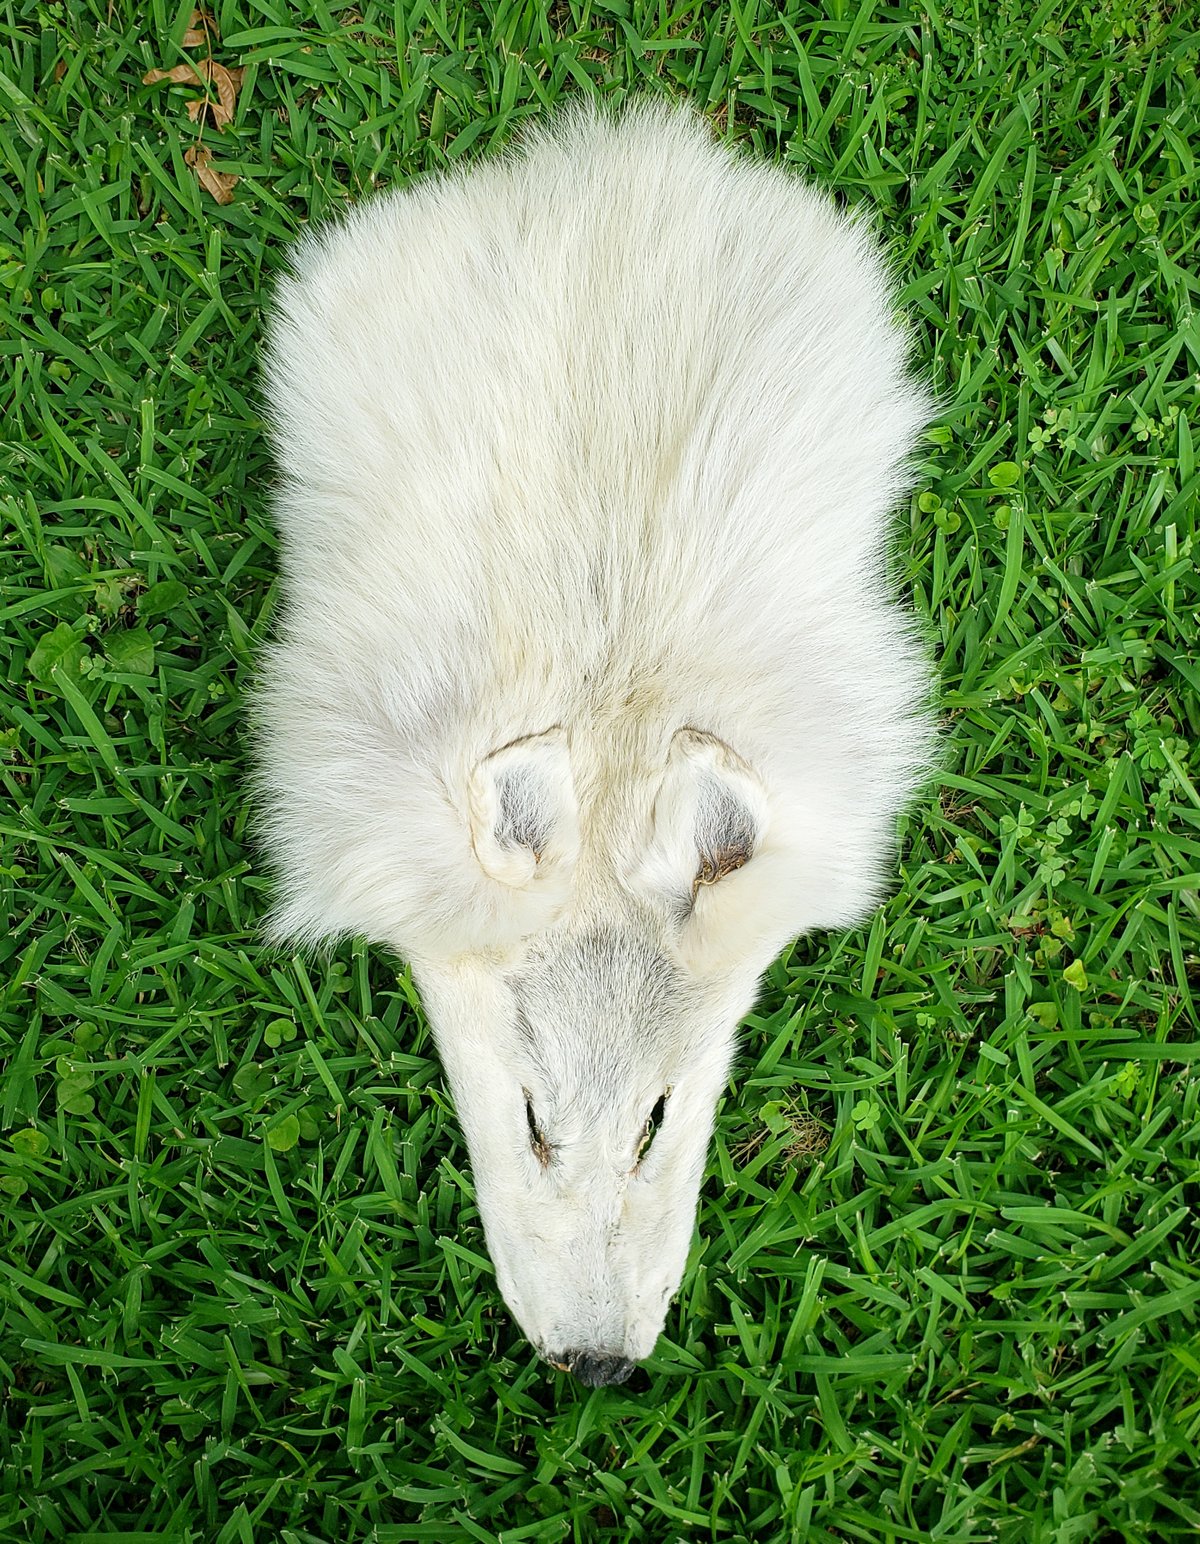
x=594, y=1368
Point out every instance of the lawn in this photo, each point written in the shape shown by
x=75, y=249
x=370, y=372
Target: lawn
x=946, y=1279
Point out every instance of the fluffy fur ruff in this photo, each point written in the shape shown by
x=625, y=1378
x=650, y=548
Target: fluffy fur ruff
x=599, y=436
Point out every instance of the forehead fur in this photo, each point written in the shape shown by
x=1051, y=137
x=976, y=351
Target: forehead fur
x=599, y=1007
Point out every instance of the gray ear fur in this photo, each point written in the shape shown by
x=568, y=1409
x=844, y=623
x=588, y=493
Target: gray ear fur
x=709, y=816
x=524, y=819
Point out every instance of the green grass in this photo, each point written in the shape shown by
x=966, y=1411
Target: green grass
x=947, y=1274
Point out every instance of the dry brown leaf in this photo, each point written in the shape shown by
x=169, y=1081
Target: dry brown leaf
x=222, y=108
x=219, y=184
x=201, y=27
x=181, y=73
x=226, y=82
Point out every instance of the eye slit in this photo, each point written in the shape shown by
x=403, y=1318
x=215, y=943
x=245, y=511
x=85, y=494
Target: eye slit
x=654, y=1121
x=542, y=1150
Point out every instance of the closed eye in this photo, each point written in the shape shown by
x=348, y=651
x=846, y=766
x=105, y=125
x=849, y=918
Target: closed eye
x=653, y=1122
x=542, y=1149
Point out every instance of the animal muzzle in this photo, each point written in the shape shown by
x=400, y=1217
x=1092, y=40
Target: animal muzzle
x=594, y=1368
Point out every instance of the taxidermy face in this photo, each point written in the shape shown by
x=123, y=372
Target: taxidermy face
x=586, y=1063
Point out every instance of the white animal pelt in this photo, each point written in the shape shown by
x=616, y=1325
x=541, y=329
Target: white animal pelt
x=588, y=691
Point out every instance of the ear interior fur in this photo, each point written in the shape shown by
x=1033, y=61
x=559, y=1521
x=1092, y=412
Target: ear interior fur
x=524, y=818
x=709, y=816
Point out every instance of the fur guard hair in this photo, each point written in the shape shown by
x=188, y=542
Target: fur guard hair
x=589, y=691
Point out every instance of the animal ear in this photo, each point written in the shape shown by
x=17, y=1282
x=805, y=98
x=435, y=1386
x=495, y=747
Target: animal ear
x=524, y=819
x=709, y=816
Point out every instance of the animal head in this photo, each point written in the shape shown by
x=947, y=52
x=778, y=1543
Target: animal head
x=586, y=1059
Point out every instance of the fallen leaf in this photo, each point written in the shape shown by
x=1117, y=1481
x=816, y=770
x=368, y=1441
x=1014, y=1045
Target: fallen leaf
x=219, y=184
x=222, y=108
x=200, y=28
x=179, y=74
x=226, y=82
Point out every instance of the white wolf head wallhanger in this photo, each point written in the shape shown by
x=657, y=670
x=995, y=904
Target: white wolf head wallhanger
x=588, y=693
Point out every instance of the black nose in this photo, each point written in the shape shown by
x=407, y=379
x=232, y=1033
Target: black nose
x=596, y=1368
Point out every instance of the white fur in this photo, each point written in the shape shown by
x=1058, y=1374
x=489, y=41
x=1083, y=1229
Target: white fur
x=587, y=454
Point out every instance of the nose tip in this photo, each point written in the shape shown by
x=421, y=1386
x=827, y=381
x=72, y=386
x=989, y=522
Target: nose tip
x=597, y=1368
